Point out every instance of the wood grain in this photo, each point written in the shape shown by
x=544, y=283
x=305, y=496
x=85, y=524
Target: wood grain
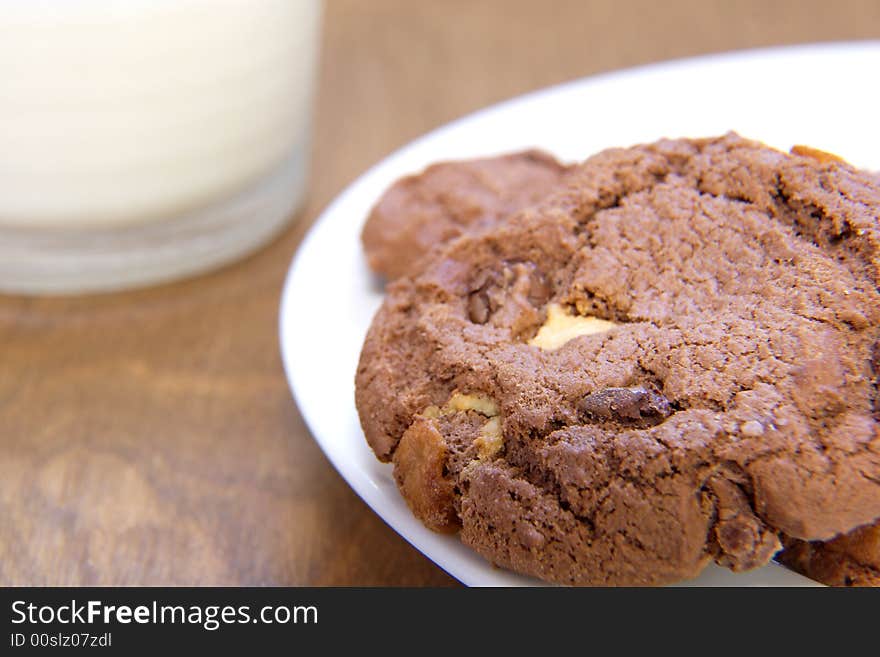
x=149, y=437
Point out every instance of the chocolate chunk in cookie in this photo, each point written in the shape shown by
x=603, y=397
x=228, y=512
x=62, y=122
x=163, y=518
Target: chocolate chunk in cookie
x=636, y=405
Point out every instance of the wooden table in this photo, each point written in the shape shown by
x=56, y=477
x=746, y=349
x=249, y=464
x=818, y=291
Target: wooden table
x=150, y=438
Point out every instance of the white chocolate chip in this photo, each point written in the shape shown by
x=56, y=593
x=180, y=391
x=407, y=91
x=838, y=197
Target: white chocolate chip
x=561, y=327
x=490, y=440
x=478, y=403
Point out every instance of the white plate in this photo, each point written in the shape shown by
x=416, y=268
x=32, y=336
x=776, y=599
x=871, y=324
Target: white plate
x=816, y=95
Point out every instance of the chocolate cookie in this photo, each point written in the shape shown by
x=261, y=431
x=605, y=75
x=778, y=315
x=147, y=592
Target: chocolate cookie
x=423, y=211
x=671, y=360
x=849, y=560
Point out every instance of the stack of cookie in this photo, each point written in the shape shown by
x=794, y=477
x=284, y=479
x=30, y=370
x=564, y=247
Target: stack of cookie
x=616, y=372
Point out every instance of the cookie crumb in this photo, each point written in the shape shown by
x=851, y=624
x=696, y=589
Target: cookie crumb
x=752, y=429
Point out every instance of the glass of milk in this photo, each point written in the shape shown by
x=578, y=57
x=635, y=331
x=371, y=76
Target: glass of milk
x=145, y=140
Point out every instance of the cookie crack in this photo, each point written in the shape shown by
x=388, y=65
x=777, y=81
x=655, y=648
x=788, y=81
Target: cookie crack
x=810, y=222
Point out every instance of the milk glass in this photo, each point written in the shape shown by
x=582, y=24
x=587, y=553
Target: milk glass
x=145, y=140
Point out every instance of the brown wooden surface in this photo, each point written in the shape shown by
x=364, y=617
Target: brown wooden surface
x=150, y=438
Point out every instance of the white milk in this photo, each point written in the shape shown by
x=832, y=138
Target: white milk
x=116, y=111
x=127, y=113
